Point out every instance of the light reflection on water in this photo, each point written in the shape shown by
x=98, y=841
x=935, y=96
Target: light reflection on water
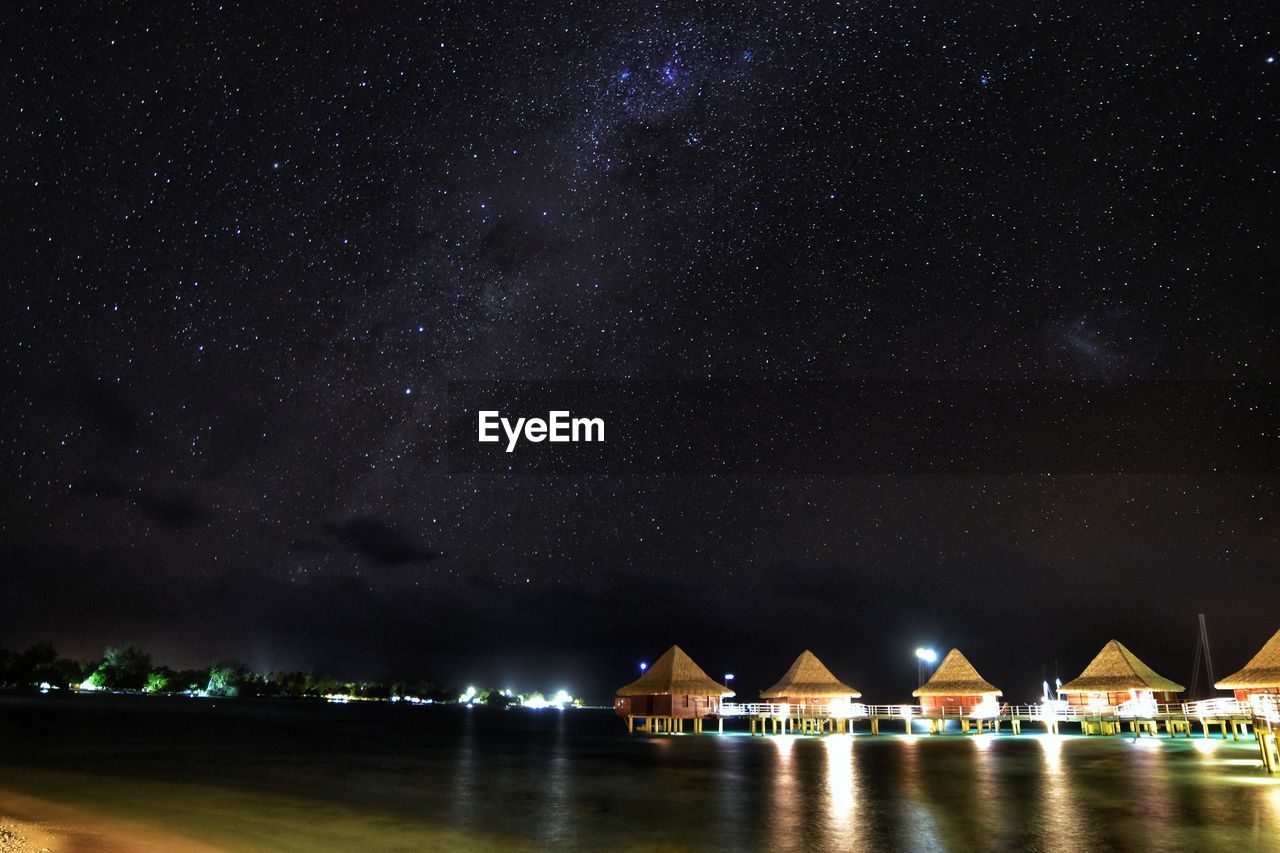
x=421, y=778
x=786, y=807
x=557, y=812
x=920, y=831
x=841, y=795
x=1058, y=805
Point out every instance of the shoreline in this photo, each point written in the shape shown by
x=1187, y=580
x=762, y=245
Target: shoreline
x=34, y=825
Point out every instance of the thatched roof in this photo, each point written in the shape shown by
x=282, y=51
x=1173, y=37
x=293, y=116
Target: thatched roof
x=955, y=676
x=1262, y=671
x=1116, y=669
x=674, y=674
x=809, y=678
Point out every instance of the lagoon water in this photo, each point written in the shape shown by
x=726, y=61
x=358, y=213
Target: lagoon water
x=253, y=775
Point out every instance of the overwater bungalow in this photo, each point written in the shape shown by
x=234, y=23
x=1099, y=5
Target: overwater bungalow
x=671, y=691
x=1260, y=675
x=1117, y=679
x=813, y=694
x=957, y=690
x=809, y=682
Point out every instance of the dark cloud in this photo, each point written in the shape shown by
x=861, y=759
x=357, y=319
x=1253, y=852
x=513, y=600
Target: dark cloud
x=168, y=509
x=379, y=541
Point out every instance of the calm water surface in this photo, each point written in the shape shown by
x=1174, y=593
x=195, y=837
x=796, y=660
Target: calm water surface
x=294, y=775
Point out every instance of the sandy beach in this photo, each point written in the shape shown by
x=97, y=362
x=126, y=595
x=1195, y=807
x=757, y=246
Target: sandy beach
x=32, y=825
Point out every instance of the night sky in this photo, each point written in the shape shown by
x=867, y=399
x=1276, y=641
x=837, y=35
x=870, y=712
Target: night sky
x=247, y=248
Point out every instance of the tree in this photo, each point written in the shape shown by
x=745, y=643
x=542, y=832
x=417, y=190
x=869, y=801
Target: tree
x=226, y=678
x=162, y=680
x=37, y=665
x=122, y=669
x=194, y=680
x=71, y=672
x=8, y=666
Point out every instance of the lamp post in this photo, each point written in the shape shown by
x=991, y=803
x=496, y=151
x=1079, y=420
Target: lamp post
x=923, y=656
x=643, y=666
x=728, y=676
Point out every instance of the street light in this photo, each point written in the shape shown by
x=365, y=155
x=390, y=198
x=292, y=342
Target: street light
x=728, y=676
x=643, y=666
x=923, y=656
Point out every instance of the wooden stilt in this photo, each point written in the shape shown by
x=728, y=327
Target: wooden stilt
x=1269, y=749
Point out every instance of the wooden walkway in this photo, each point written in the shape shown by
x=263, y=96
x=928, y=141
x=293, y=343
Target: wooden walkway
x=1258, y=718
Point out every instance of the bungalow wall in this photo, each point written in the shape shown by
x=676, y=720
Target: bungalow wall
x=951, y=705
x=1243, y=694
x=1085, y=702
x=680, y=706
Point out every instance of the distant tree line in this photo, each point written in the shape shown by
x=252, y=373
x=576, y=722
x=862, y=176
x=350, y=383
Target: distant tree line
x=129, y=669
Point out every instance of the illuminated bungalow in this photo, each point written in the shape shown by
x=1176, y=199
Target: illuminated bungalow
x=957, y=690
x=1117, y=678
x=671, y=691
x=813, y=694
x=1260, y=675
x=1260, y=678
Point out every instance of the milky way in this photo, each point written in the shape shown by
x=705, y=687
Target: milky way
x=247, y=250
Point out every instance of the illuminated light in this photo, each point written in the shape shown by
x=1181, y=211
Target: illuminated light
x=536, y=702
x=1206, y=747
x=927, y=655
x=469, y=696
x=643, y=666
x=561, y=699
x=1052, y=709
x=1142, y=707
x=88, y=685
x=986, y=709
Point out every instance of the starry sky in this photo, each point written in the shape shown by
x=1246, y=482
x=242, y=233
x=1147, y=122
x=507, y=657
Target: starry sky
x=247, y=250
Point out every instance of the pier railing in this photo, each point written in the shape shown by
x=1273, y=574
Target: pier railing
x=861, y=711
x=1264, y=706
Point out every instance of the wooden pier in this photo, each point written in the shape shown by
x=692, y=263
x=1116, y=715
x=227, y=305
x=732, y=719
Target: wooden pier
x=1239, y=720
